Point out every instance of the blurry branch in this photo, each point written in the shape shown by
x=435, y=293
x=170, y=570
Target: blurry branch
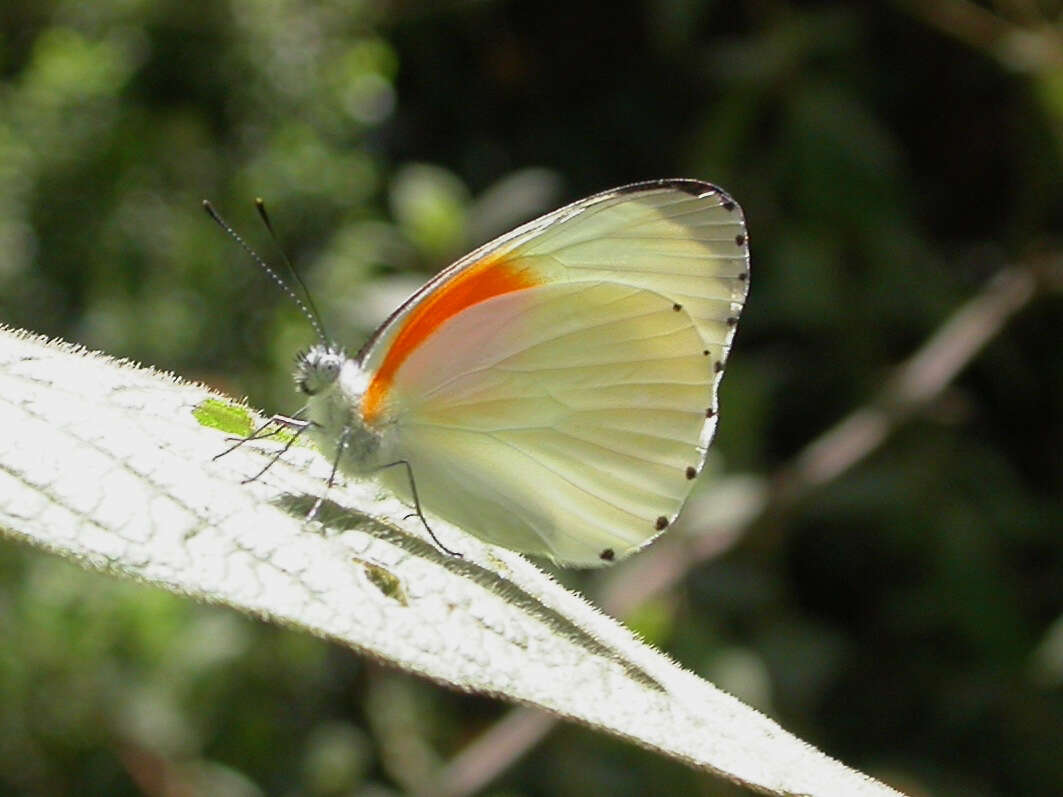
x=492, y=753
x=914, y=385
x=1026, y=39
x=964, y=20
x=403, y=750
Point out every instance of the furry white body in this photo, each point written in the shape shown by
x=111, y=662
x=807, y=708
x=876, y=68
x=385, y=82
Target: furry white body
x=335, y=420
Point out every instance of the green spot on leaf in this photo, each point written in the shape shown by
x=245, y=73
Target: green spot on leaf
x=229, y=418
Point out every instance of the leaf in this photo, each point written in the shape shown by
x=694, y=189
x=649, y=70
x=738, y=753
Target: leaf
x=112, y=466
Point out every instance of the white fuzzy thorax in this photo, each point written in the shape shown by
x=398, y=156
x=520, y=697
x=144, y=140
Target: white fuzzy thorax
x=336, y=385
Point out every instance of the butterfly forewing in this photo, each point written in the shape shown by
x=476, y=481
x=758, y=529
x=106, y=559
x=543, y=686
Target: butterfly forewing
x=685, y=239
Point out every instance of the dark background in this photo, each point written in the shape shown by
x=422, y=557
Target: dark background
x=891, y=159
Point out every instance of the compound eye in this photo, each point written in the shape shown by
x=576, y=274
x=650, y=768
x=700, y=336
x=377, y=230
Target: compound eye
x=316, y=369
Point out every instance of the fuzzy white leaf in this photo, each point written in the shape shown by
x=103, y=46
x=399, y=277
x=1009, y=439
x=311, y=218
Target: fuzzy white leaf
x=111, y=465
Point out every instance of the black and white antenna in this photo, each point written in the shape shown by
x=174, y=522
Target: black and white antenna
x=307, y=307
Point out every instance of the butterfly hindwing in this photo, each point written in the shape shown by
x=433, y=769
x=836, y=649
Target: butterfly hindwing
x=563, y=420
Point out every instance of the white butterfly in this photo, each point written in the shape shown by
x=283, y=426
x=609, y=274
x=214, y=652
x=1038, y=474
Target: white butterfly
x=553, y=392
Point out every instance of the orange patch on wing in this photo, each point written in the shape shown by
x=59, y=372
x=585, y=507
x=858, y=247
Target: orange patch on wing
x=477, y=283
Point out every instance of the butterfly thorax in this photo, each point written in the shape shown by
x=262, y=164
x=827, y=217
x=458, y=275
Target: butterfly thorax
x=335, y=385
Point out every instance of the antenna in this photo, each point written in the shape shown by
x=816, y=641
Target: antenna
x=260, y=206
x=307, y=308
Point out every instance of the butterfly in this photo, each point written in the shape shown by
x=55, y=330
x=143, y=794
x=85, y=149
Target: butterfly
x=553, y=392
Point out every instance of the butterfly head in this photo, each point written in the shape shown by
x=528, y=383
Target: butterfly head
x=317, y=368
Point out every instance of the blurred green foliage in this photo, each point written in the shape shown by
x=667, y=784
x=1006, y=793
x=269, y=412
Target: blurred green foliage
x=890, y=159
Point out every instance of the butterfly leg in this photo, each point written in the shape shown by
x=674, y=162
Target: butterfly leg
x=279, y=421
x=417, y=507
x=298, y=431
x=341, y=447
